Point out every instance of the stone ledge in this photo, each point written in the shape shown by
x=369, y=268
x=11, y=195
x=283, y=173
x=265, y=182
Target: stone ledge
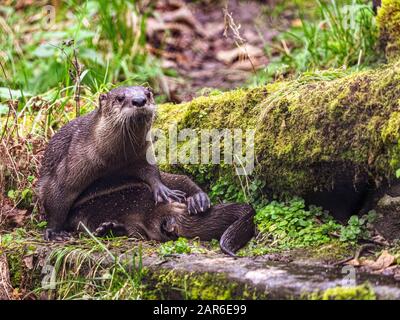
x=266, y=279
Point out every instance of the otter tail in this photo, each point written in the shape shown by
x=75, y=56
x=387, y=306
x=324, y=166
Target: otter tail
x=240, y=232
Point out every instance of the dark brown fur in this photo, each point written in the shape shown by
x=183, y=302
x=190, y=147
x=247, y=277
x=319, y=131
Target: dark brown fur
x=376, y=4
x=127, y=208
x=109, y=141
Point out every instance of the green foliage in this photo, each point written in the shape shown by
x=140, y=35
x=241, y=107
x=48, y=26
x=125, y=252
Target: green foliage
x=41, y=225
x=356, y=227
x=23, y=198
x=80, y=272
x=87, y=268
x=238, y=189
x=229, y=192
x=108, y=43
x=179, y=246
x=344, y=36
x=227, y=187
x=287, y=225
x=290, y=225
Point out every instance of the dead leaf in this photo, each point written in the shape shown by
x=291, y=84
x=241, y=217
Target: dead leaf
x=184, y=15
x=353, y=262
x=384, y=261
x=13, y=216
x=213, y=29
x=247, y=65
x=21, y=4
x=239, y=53
x=297, y=23
x=28, y=261
x=16, y=294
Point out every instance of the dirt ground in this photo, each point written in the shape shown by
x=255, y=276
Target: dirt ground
x=213, y=45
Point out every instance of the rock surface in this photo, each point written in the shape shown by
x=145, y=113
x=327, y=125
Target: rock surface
x=277, y=279
x=388, y=210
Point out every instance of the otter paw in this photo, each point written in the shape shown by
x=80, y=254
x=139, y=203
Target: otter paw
x=163, y=193
x=178, y=208
x=112, y=228
x=198, y=203
x=58, y=236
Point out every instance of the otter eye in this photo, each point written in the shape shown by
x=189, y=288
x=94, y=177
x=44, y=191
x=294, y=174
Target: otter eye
x=120, y=98
x=149, y=94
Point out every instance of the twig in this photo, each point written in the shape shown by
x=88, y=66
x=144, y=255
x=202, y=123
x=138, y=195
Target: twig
x=75, y=76
x=9, y=102
x=229, y=23
x=77, y=79
x=356, y=255
x=5, y=283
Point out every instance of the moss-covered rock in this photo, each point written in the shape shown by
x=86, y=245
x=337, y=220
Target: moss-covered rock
x=171, y=284
x=389, y=25
x=361, y=292
x=309, y=131
x=115, y=269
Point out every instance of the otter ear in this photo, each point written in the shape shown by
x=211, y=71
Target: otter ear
x=170, y=225
x=149, y=92
x=102, y=100
x=150, y=89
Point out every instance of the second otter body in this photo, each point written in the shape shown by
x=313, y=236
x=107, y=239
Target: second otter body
x=127, y=208
x=109, y=141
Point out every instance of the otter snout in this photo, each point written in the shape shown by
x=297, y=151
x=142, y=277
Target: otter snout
x=139, y=101
x=132, y=102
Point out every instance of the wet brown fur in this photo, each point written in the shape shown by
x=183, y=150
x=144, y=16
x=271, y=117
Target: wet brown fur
x=131, y=208
x=109, y=141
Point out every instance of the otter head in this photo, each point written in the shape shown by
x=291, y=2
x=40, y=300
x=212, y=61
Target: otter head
x=166, y=221
x=128, y=104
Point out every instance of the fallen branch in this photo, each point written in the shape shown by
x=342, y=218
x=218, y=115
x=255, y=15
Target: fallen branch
x=310, y=132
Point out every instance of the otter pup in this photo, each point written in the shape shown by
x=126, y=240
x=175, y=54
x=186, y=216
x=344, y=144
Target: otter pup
x=126, y=207
x=109, y=141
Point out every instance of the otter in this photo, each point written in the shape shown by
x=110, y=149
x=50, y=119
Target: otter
x=376, y=4
x=109, y=141
x=127, y=208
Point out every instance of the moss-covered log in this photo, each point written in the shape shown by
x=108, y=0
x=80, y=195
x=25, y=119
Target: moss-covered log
x=309, y=131
x=389, y=27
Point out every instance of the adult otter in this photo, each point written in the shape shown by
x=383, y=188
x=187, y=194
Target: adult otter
x=376, y=4
x=109, y=141
x=126, y=207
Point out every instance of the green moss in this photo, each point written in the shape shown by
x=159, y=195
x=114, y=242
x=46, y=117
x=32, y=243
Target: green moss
x=22, y=277
x=388, y=19
x=16, y=269
x=331, y=252
x=361, y=292
x=180, y=246
x=309, y=131
x=195, y=285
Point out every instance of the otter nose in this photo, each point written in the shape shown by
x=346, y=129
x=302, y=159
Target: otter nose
x=139, y=101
